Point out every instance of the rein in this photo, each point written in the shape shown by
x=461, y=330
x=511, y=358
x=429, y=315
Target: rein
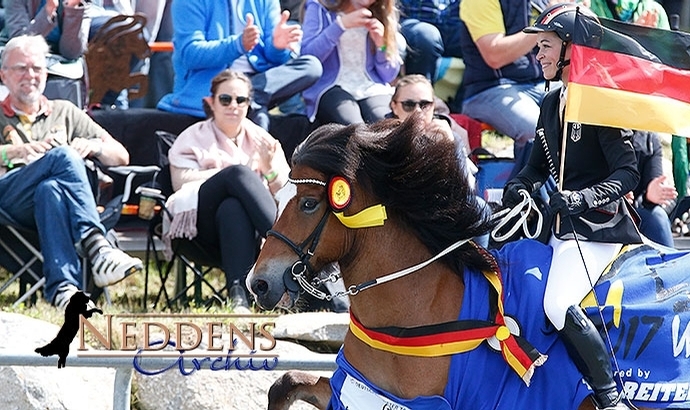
x=375, y=215
x=523, y=209
x=425, y=341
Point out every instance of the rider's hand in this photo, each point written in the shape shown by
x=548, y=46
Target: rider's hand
x=511, y=194
x=567, y=203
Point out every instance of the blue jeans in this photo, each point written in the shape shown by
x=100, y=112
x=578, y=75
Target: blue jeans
x=512, y=109
x=655, y=225
x=426, y=43
x=278, y=84
x=53, y=197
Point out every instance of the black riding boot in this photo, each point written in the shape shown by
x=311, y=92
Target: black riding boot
x=587, y=350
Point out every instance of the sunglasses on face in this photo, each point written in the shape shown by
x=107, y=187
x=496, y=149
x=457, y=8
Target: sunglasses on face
x=225, y=100
x=409, y=105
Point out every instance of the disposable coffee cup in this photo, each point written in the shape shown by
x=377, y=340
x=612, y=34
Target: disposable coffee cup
x=147, y=202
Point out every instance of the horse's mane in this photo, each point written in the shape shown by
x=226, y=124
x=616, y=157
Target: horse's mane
x=414, y=171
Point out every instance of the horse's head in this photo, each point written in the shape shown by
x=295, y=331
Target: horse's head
x=307, y=235
x=346, y=179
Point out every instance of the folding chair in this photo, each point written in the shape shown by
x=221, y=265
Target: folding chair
x=185, y=254
x=20, y=250
x=21, y=256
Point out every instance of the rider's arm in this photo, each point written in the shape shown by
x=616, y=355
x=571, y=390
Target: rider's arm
x=618, y=150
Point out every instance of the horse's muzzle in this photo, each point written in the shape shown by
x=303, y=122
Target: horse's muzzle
x=271, y=292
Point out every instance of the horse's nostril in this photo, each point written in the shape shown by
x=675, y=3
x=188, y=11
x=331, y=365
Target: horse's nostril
x=260, y=287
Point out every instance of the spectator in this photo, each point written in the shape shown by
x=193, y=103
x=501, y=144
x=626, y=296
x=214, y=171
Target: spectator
x=65, y=25
x=356, y=41
x=599, y=168
x=432, y=30
x=107, y=9
x=254, y=38
x=502, y=82
x=43, y=146
x=643, y=12
x=415, y=94
x=675, y=7
x=652, y=193
x=224, y=171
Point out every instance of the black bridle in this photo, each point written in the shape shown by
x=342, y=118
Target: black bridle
x=301, y=273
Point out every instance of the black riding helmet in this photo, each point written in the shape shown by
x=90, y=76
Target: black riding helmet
x=560, y=19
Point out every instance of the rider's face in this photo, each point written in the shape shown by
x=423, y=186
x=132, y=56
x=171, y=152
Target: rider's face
x=549, y=53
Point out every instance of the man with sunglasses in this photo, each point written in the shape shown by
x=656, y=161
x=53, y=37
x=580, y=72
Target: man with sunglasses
x=248, y=36
x=44, y=186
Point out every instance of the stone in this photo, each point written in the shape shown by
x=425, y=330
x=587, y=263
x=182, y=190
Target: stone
x=211, y=390
x=29, y=388
x=326, y=328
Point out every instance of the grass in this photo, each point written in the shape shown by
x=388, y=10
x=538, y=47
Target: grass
x=126, y=297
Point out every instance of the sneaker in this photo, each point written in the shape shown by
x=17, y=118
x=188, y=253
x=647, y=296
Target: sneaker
x=111, y=265
x=63, y=295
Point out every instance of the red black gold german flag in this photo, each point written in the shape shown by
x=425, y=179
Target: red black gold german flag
x=629, y=76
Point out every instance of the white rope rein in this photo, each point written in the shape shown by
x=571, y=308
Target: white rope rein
x=522, y=210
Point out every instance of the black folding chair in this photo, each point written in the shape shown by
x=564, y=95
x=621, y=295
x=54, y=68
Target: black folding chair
x=20, y=249
x=186, y=255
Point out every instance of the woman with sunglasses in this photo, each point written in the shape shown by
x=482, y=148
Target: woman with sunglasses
x=225, y=171
x=415, y=93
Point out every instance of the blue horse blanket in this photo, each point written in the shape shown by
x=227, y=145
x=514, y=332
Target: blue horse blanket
x=646, y=309
x=645, y=299
x=480, y=379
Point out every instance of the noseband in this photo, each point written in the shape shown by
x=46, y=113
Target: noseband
x=297, y=275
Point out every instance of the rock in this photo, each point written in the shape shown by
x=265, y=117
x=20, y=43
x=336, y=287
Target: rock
x=29, y=388
x=323, y=327
x=211, y=390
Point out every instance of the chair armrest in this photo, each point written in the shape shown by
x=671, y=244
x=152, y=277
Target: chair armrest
x=131, y=171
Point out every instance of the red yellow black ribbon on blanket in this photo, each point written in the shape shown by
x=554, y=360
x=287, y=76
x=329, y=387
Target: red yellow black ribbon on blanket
x=459, y=336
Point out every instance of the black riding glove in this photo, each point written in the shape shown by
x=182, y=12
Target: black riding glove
x=511, y=194
x=567, y=203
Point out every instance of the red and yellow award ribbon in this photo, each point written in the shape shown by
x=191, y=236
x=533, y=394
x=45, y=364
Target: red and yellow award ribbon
x=455, y=337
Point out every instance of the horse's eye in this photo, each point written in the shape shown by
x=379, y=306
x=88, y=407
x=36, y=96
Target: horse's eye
x=308, y=205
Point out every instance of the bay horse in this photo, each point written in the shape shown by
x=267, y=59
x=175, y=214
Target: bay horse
x=437, y=322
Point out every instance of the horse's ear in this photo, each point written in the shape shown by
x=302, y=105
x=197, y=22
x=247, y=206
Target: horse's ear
x=339, y=193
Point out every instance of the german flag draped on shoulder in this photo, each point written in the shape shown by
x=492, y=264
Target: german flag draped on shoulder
x=629, y=76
